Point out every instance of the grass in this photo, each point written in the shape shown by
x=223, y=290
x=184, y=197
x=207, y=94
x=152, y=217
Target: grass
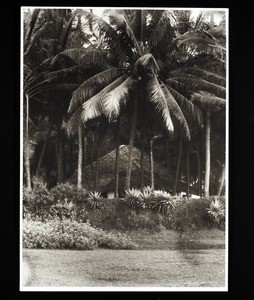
x=125, y=268
x=163, y=259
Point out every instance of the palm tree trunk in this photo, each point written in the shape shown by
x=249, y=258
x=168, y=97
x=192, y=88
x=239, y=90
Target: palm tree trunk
x=59, y=154
x=188, y=172
x=97, y=166
x=151, y=164
x=43, y=151
x=131, y=142
x=167, y=155
x=222, y=181
x=27, y=160
x=117, y=158
x=199, y=172
x=80, y=155
x=142, y=163
x=207, y=154
x=178, y=164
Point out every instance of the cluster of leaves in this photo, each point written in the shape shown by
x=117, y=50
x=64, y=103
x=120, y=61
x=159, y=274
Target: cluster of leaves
x=69, y=234
x=147, y=198
x=216, y=211
x=62, y=201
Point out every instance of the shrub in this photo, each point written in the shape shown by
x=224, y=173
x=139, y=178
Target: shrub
x=68, y=192
x=37, y=201
x=68, y=234
x=216, y=211
x=93, y=200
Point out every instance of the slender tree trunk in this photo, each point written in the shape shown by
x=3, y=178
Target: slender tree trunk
x=131, y=142
x=80, y=155
x=188, y=172
x=207, y=154
x=142, y=163
x=97, y=166
x=178, y=164
x=151, y=164
x=117, y=158
x=27, y=159
x=43, y=151
x=222, y=181
x=167, y=155
x=199, y=172
x=59, y=159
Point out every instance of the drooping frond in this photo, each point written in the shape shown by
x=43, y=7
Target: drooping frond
x=49, y=78
x=199, y=20
x=195, y=84
x=148, y=62
x=117, y=98
x=85, y=56
x=163, y=31
x=73, y=122
x=32, y=23
x=118, y=42
x=208, y=76
x=92, y=86
x=122, y=22
x=176, y=111
x=67, y=87
x=191, y=110
x=207, y=101
x=35, y=38
x=156, y=96
x=94, y=107
x=65, y=32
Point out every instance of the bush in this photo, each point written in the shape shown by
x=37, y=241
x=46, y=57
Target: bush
x=216, y=212
x=68, y=234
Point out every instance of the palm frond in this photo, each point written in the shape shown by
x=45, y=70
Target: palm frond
x=208, y=76
x=199, y=20
x=176, y=111
x=117, y=98
x=148, y=62
x=94, y=107
x=85, y=56
x=162, y=29
x=49, y=78
x=207, y=101
x=117, y=42
x=92, y=86
x=35, y=38
x=156, y=96
x=67, y=87
x=73, y=122
x=191, y=110
x=32, y=23
x=192, y=83
x=65, y=32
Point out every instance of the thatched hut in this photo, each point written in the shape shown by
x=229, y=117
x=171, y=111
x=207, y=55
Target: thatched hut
x=106, y=180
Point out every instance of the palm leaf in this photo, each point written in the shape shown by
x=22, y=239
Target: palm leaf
x=207, y=101
x=67, y=87
x=191, y=110
x=32, y=23
x=65, y=32
x=118, y=97
x=208, y=76
x=192, y=83
x=147, y=61
x=156, y=96
x=85, y=56
x=91, y=87
x=74, y=121
x=176, y=111
x=94, y=107
x=162, y=29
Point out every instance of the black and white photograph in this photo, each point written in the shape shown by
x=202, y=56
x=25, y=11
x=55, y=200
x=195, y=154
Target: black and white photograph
x=124, y=149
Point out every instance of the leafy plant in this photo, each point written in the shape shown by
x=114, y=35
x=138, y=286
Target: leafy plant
x=132, y=197
x=216, y=211
x=94, y=200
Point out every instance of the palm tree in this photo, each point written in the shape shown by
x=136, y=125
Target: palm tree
x=141, y=49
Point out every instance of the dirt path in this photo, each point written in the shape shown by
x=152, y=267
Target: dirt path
x=125, y=268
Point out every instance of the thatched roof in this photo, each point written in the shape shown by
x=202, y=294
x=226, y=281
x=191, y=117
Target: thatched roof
x=106, y=182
